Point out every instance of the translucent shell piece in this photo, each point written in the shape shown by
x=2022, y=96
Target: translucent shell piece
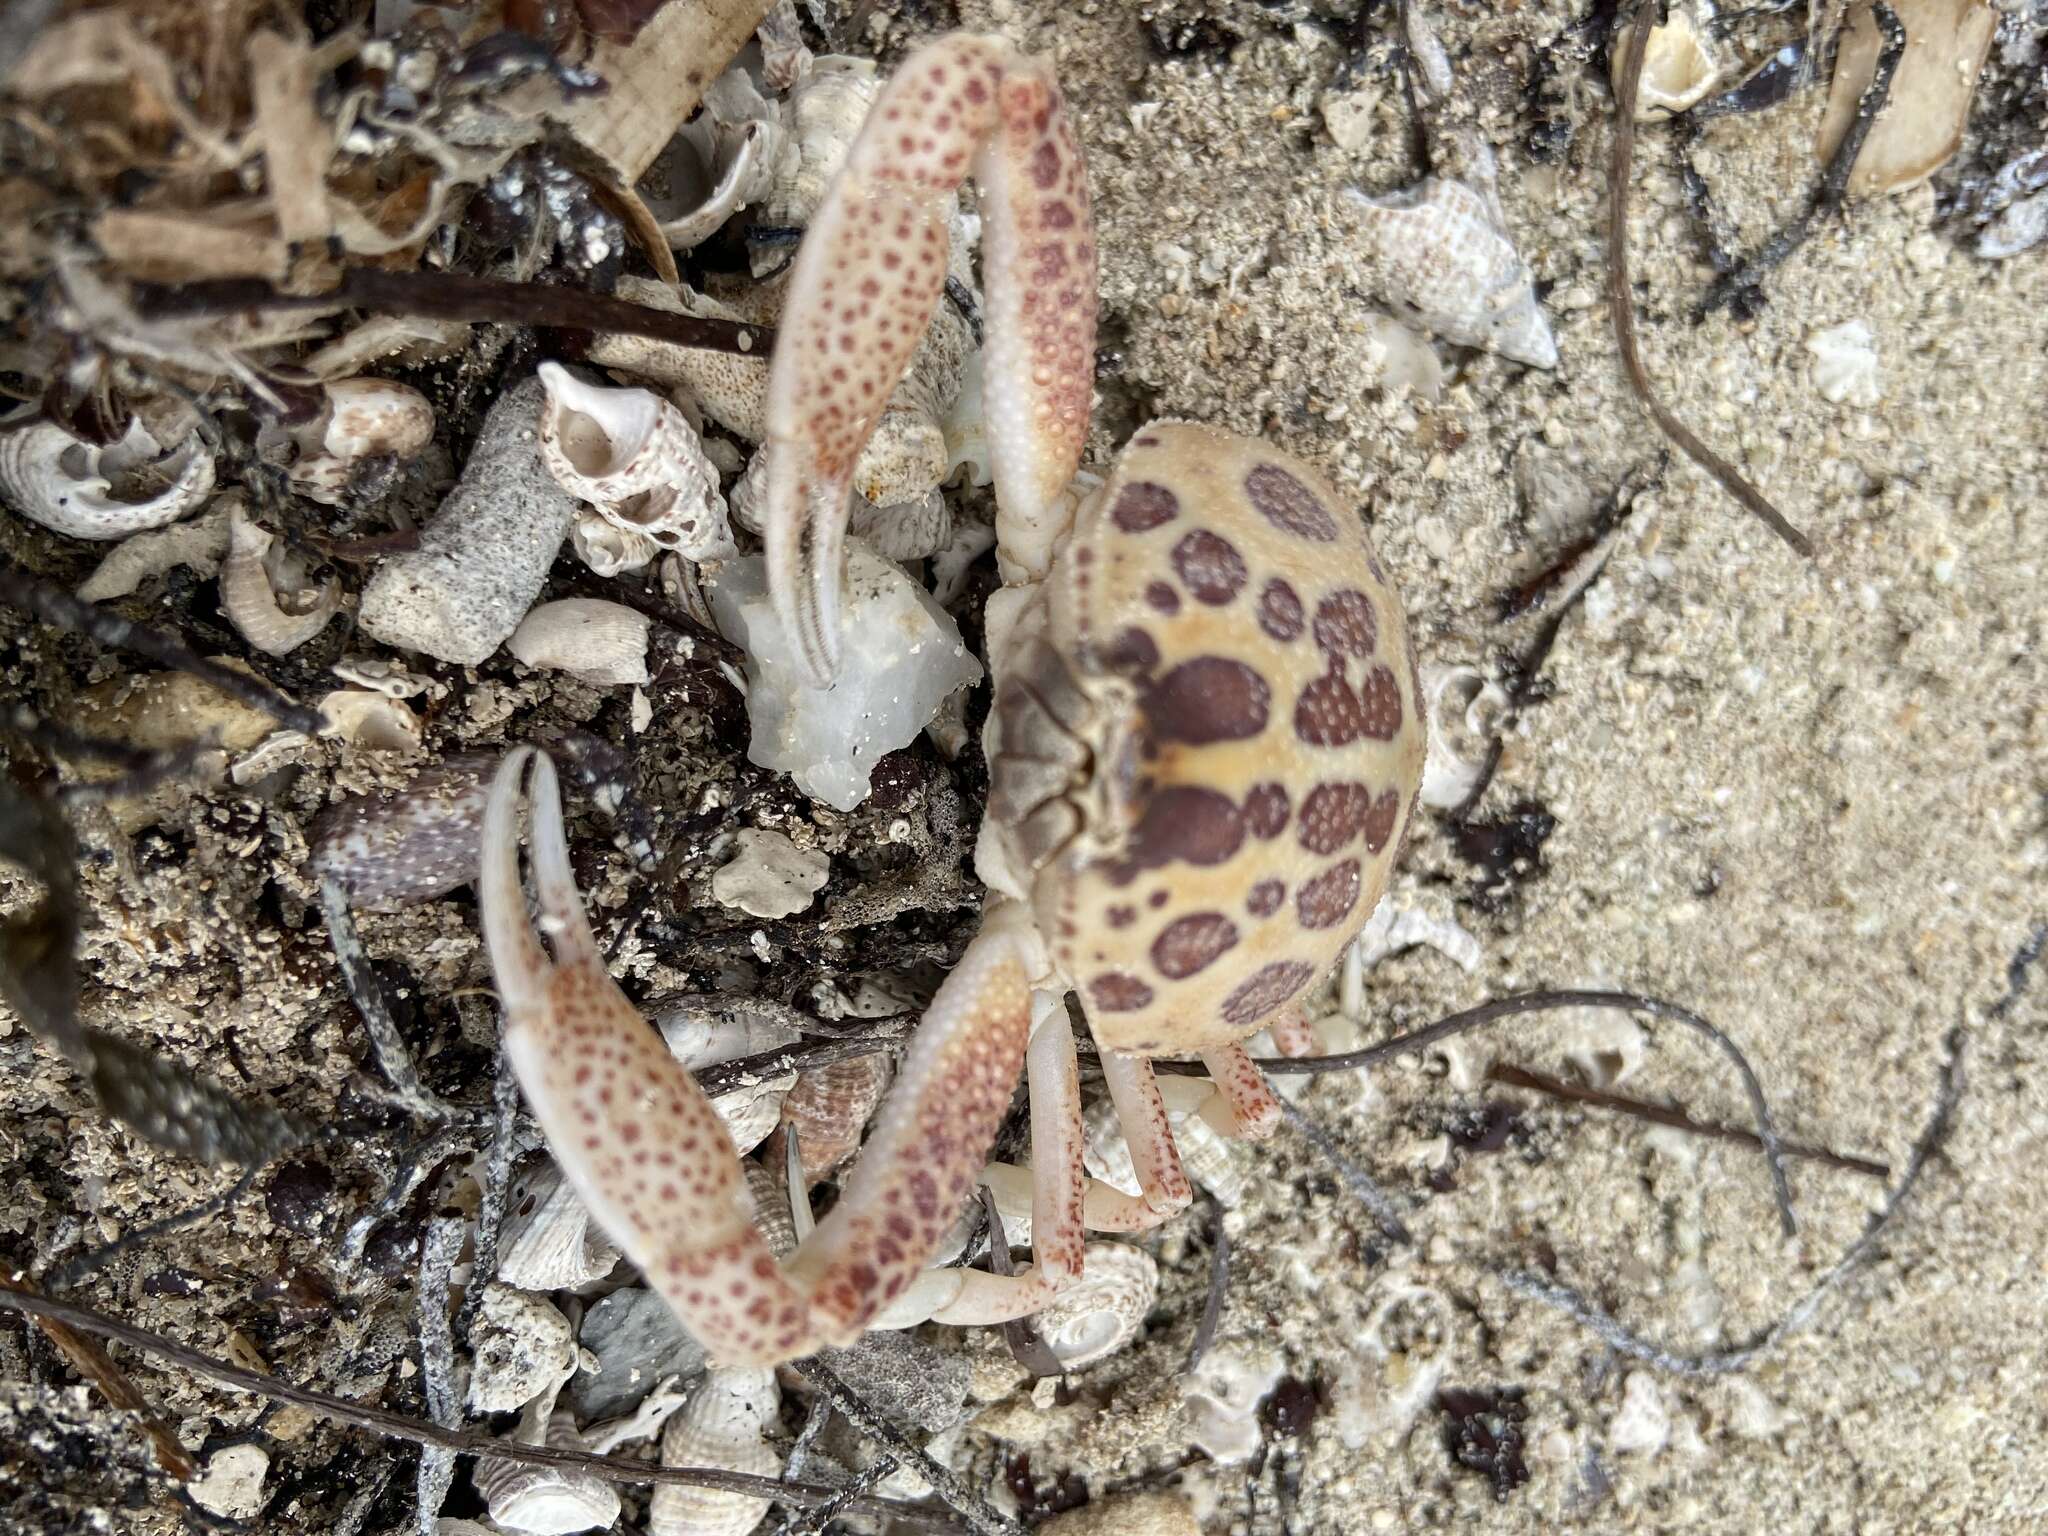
x=1442, y=260
x=725, y=1425
x=1098, y=1314
x=67, y=485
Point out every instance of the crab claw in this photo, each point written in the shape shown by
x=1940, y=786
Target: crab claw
x=862, y=290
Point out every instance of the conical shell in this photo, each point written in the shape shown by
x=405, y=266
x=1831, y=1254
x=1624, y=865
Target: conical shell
x=250, y=598
x=726, y=1426
x=1102, y=1311
x=829, y=1108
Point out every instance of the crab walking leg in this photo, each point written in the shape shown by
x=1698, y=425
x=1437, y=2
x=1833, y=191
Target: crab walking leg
x=862, y=291
x=651, y=1158
x=1292, y=1033
x=1148, y=1132
x=1245, y=1105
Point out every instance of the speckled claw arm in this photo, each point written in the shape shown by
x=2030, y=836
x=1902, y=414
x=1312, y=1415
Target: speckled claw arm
x=862, y=290
x=647, y=1152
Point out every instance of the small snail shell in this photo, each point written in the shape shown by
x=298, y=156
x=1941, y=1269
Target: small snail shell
x=1102, y=1311
x=829, y=1108
x=66, y=484
x=367, y=418
x=250, y=598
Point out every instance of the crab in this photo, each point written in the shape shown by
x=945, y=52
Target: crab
x=1205, y=747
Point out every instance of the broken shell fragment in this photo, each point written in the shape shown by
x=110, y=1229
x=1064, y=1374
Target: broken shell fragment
x=609, y=549
x=274, y=621
x=1443, y=262
x=822, y=117
x=373, y=722
x=604, y=644
x=904, y=530
x=521, y=1346
x=83, y=491
x=1679, y=67
x=1845, y=364
x=769, y=876
x=1102, y=1311
x=725, y=1425
x=722, y=161
x=750, y=1112
x=366, y=418
x=484, y=556
x=387, y=852
x=198, y=543
x=1924, y=116
x=829, y=739
x=1464, y=709
x=636, y=458
x=548, y=1243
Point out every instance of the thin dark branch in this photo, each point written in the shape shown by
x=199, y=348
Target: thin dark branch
x=1219, y=1285
x=81, y=1265
x=1663, y=1114
x=1620, y=1337
x=1834, y=182
x=1621, y=299
x=399, y=1426
x=1356, y=1179
x=728, y=1075
x=452, y=296
x=1027, y=1345
x=53, y=605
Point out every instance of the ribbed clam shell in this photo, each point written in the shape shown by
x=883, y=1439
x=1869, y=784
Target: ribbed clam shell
x=547, y=1501
x=1102, y=1311
x=603, y=643
x=1442, y=260
x=55, y=479
x=548, y=1243
x=829, y=1108
x=725, y=1425
x=252, y=602
x=393, y=851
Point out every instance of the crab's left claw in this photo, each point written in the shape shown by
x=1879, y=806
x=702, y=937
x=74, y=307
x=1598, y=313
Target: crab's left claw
x=862, y=290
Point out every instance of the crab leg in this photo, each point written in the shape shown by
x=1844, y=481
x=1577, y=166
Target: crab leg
x=862, y=290
x=1248, y=1108
x=649, y=1155
x=1148, y=1132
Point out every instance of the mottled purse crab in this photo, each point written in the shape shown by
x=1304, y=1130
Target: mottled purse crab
x=1204, y=750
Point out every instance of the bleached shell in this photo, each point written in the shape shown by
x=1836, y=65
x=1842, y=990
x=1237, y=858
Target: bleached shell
x=1213, y=1161
x=1102, y=1311
x=822, y=116
x=548, y=1242
x=829, y=1108
x=546, y=1501
x=965, y=426
x=769, y=876
x=374, y=722
x=737, y=141
x=904, y=530
x=609, y=549
x=64, y=483
x=1463, y=707
x=520, y=1346
x=724, y=1425
x=367, y=418
x=1845, y=366
x=1441, y=259
x=1929, y=106
x=199, y=543
x=636, y=458
x=254, y=605
x=1679, y=67
x=753, y=1110
x=602, y=643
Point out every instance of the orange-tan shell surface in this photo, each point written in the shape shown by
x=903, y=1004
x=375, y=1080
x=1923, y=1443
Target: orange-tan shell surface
x=1255, y=731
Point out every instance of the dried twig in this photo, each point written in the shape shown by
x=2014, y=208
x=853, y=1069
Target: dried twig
x=496, y=1184
x=1677, y=1119
x=53, y=605
x=1027, y=1345
x=1834, y=182
x=400, y=1426
x=393, y=1058
x=452, y=296
x=97, y=1366
x=80, y=1266
x=1356, y=1179
x=438, y=1249
x=1618, y=1336
x=1622, y=302
x=1219, y=1284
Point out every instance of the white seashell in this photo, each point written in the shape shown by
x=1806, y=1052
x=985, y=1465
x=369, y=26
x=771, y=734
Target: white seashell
x=521, y=1345
x=1464, y=709
x=249, y=595
x=1102, y=1311
x=199, y=543
x=374, y=722
x=1222, y=1400
x=366, y=418
x=821, y=117
x=609, y=549
x=548, y=1243
x=769, y=876
x=1679, y=68
x=735, y=144
x=277, y=750
x=752, y=1111
x=55, y=479
x=905, y=530
x=1406, y=359
x=725, y=1425
x=1392, y=928
x=785, y=59
x=546, y=1501
x=1845, y=368
x=484, y=556
x=636, y=458
x=381, y=675
x=1213, y=1161
x=1442, y=261
x=604, y=644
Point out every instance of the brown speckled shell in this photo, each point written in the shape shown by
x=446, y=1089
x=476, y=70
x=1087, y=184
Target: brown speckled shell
x=1256, y=737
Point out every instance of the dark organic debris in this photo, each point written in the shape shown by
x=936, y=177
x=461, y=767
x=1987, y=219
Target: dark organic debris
x=1508, y=850
x=1484, y=1433
x=1290, y=1408
x=1488, y=1128
x=1038, y=1501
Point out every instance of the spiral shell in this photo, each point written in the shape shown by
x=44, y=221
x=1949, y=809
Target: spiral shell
x=752, y=1111
x=821, y=117
x=366, y=418
x=725, y=1425
x=1213, y=1161
x=250, y=595
x=67, y=484
x=548, y=1243
x=1442, y=260
x=1102, y=1311
x=772, y=1218
x=609, y=549
x=829, y=1108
